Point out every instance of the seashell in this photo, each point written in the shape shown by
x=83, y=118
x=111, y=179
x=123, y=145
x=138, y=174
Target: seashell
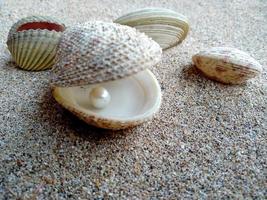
x=112, y=59
x=32, y=42
x=227, y=65
x=166, y=27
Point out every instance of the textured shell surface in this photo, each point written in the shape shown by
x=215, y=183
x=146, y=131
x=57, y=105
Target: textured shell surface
x=227, y=65
x=32, y=42
x=97, y=51
x=165, y=26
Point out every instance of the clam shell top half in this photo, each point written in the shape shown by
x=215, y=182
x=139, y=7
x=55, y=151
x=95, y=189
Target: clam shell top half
x=97, y=52
x=165, y=26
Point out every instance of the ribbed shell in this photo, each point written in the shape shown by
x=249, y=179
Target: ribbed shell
x=227, y=65
x=165, y=26
x=96, y=52
x=33, y=50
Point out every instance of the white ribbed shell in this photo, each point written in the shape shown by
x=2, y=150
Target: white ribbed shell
x=34, y=49
x=97, y=51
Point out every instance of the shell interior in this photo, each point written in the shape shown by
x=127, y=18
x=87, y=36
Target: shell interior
x=42, y=26
x=36, y=22
x=133, y=100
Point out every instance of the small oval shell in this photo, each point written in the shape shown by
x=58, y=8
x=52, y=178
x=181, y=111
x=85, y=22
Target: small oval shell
x=99, y=51
x=227, y=65
x=166, y=27
x=32, y=48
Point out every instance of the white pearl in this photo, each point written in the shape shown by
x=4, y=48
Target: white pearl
x=99, y=97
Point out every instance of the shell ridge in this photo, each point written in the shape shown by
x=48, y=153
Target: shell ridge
x=46, y=58
x=38, y=57
x=27, y=53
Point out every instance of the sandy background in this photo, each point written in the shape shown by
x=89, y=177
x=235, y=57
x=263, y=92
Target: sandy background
x=209, y=140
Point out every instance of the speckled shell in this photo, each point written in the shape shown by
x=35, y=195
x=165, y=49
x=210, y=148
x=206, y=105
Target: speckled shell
x=227, y=65
x=166, y=27
x=33, y=49
x=96, y=52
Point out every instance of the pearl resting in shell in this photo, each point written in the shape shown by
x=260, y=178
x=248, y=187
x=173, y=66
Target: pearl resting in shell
x=99, y=97
x=114, y=57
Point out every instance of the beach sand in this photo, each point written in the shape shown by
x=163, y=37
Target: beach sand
x=207, y=141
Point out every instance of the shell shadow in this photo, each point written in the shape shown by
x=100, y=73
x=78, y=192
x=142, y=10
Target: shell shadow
x=11, y=65
x=65, y=122
x=191, y=79
x=191, y=73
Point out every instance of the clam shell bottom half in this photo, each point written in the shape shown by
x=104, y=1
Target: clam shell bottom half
x=134, y=100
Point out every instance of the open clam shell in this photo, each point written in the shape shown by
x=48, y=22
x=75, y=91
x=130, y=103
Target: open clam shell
x=133, y=101
x=32, y=42
x=166, y=27
x=114, y=57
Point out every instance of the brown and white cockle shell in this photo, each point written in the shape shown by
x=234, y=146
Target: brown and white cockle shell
x=32, y=42
x=227, y=65
x=97, y=52
x=113, y=56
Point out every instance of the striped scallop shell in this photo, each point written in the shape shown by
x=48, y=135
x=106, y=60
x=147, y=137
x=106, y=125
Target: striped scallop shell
x=227, y=65
x=166, y=27
x=97, y=51
x=32, y=42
